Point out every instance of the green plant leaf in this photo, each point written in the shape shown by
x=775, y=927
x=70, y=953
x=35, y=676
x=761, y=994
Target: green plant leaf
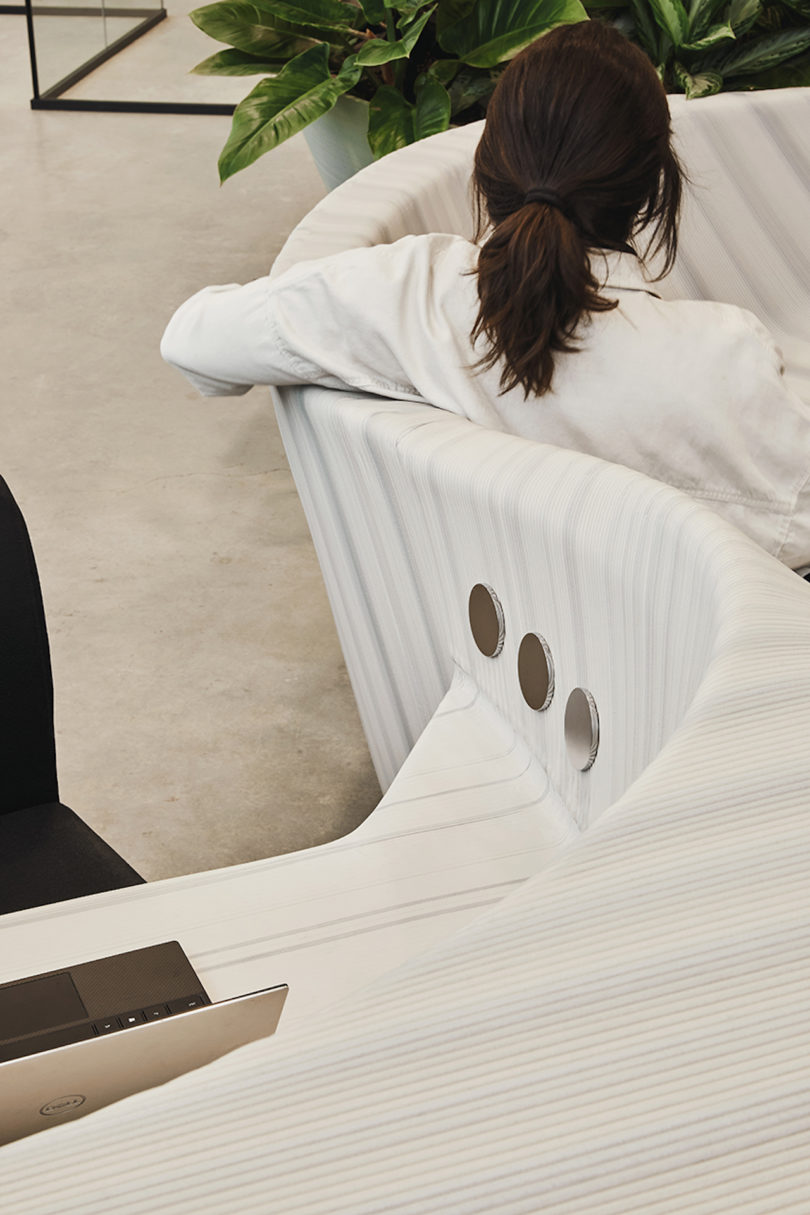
x=701, y=84
x=743, y=13
x=763, y=53
x=713, y=37
x=393, y=122
x=794, y=74
x=451, y=11
x=311, y=14
x=390, y=121
x=374, y=11
x=701, y=16
x=672, y=18
x=801, y=6
x=431, y=114
x=416, y=21
x=379, y=50
x=235, y=63
x=469, y=87
x=282, y=105
x=444, y=70
x=496, y=30
x=645, y=28
x=250, y=29
x=411, y=8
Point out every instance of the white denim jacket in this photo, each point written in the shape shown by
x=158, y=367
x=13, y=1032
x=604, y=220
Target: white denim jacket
x=689, y=392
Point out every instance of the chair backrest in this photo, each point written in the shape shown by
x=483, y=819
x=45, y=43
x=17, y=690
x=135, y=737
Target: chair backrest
x=27, y=748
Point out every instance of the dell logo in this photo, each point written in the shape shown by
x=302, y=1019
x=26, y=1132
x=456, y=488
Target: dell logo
x=60, y=1105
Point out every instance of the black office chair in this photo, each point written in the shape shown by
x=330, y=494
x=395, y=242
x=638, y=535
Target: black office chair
x=46, y=852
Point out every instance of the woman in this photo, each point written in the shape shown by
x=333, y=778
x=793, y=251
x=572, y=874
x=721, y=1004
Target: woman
x=548, y=328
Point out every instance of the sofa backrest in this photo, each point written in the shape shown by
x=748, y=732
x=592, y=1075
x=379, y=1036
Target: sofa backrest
x=746, y=215
x=421, y=188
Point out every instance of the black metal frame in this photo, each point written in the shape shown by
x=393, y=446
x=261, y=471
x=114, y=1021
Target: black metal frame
x=52, y=98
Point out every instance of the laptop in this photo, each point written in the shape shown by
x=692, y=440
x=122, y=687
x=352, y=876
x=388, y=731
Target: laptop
x=76, y=1039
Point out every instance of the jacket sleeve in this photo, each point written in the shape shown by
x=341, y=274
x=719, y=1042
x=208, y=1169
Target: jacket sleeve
x=335, y=322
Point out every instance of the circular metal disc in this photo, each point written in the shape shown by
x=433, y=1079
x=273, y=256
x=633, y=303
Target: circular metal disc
x=581, y=729
x=535, y=671
x=486, y=620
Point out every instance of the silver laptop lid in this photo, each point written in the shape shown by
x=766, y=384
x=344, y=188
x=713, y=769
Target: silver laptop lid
x=58, y=1085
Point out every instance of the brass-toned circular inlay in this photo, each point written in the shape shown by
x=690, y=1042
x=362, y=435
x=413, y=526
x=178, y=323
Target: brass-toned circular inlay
x=535, y=671
x=581, y=729
x=486, y=620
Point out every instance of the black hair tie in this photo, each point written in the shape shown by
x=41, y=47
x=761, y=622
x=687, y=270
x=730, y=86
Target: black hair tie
x=552, y=198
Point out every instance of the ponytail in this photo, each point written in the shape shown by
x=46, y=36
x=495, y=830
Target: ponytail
x=534, y=284
x=583, y=110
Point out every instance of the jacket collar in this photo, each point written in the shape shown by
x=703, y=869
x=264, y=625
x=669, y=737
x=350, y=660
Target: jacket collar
x=619, y=271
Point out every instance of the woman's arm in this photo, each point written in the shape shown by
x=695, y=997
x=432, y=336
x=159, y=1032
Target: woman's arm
x=226, y=339
x=355, y=320
x=208, y=339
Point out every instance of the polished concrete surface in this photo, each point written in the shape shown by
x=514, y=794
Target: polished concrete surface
x=204, y=716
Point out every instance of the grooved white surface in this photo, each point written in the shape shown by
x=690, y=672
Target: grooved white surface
x=471, y=815
x=626, y=1032
x=432, y=506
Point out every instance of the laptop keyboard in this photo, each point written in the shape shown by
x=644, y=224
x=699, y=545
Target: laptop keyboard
x=95, y=1029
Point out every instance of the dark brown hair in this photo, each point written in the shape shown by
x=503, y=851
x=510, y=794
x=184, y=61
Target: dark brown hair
x=580, y=122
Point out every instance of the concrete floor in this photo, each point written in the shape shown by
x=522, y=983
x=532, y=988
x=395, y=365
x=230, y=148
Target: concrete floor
x=204, y=716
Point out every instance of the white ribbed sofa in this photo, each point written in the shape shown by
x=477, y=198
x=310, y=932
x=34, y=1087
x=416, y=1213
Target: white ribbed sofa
x=519, y=986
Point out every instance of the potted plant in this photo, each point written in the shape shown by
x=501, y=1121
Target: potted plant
x=708, y=45
x=414, y=67
x=389, y=75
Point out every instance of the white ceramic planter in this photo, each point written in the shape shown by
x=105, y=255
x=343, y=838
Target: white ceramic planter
x=338, y=141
